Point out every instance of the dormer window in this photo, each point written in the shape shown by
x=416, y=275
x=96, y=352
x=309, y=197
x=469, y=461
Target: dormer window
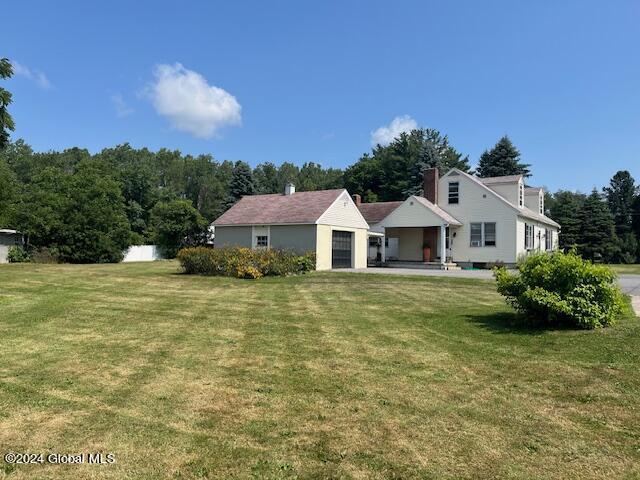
x=454, y=192
x=521, y=195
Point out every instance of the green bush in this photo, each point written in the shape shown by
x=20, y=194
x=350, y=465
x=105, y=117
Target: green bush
x=243, y=262
x=17, y=254
x=45, y=255
x=554, y=289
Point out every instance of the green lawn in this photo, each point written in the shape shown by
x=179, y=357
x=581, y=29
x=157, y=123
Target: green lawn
x=321, y=376
x=629, y=268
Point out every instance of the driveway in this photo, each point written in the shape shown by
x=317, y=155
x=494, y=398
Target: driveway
x=629, y=284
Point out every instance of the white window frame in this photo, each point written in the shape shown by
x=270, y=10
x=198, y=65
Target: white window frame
x=521, y=194
x=528, y=236
x=456, y=194
x=541, y=203
x=548, y=239
x=260, y=231
x=483, y=237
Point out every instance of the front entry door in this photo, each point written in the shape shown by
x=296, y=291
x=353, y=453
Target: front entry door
x=342, y=244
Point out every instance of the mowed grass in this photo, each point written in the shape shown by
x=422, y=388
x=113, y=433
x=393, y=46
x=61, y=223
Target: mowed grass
x=627, y=268
x=327, y=375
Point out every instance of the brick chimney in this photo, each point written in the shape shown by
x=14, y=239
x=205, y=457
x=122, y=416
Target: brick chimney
x=357, y=199
x=430, y=185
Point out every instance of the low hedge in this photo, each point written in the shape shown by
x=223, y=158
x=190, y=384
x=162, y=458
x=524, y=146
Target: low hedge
x=244, y=262
x=558, y=289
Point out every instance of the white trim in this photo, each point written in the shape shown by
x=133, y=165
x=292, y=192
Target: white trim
x=319, y=221
x=521, y=211
x=254, y=242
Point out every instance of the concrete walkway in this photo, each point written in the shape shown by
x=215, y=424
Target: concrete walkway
x=629, y=284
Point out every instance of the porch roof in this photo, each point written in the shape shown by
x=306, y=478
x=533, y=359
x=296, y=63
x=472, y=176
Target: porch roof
x=417, y=211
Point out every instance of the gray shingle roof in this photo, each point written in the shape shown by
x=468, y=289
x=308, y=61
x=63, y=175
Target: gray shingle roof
x=299, y=208
x=376, y=211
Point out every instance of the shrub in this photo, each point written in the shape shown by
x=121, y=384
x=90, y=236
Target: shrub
x=554, y=289
x=45, y=255
x=17, y=254
x=243, y=262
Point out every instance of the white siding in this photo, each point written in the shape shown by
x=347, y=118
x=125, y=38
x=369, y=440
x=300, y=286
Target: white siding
x=412, y=214
x=476, y=204
x=532, y=201
x=510, y=191
x=539, y=232
x=343, y=213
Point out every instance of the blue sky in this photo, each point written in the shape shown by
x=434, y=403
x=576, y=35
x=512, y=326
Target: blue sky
x=313, y=81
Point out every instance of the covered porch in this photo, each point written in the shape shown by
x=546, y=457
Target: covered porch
x=421, y=234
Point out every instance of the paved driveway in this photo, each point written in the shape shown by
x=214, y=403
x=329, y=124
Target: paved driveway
x=629, y=284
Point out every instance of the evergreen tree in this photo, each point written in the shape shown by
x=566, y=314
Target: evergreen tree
x=621, y=194
x=502, y=159
x=241, y=183
x=6, y=122
x=620, y=198
x=635, y=223
x=597, y=239
x=564, y=209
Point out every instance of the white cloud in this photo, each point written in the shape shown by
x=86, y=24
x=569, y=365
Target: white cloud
x=385, y=135
x=122, y=108
x=40, y=78
x=190, y=103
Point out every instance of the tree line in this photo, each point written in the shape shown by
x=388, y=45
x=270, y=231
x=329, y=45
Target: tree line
x=87, y=207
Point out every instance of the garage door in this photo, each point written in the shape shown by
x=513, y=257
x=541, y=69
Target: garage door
x=341, y=249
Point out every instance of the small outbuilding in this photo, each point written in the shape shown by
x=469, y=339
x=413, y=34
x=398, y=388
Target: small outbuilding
x=326, y=222
x=8, y=239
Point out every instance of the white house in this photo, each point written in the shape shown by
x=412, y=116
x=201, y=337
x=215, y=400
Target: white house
x=8, y=239
x=463, y=220
x=326, y=222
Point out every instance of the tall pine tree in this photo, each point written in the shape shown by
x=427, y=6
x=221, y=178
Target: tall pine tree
x=241, y=183
x=502, y=159
x=6, y=122
x=597, y=238
x=564, y=210
x=620, y=198
x=621, y=194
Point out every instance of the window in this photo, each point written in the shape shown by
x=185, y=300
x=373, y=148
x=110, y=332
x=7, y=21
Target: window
x=548, y=239
x=521, y=194
x=489, y=234
x=528, y=236
x=483, y=234
x=476, y=234
x=541, y=203
x=454, y=192
x=262, y=241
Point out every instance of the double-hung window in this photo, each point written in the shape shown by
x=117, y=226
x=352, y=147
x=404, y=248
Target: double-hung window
x=454, y=192
x=548, y=239
x=483, y=234
x=528, y=236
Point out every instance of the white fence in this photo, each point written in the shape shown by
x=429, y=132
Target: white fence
x=142, y=253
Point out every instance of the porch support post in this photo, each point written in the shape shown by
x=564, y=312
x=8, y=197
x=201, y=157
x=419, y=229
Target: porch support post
x=384, y=249
x=443, y=244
